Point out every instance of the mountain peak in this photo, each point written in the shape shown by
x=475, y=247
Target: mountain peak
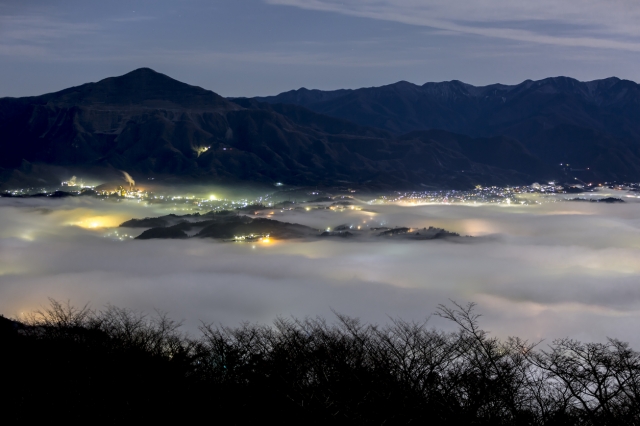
x=146, y=74
x=403, y=83
x=141, y=87
x=143, y=70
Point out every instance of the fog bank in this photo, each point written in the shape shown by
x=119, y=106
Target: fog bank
x=536, y=271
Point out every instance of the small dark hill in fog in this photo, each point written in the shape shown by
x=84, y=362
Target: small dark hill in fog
x=229, y=226
x=258, y=226
x=148, y=222
x=219, y=225
x=164, y=233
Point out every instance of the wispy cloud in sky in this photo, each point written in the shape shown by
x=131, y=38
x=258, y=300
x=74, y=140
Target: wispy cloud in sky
x=263, y=47
x=42, y=29
x=579, y=23
x=39, y=36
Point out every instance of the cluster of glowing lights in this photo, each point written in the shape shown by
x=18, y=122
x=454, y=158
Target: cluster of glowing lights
x=117, y=236
x=97, y=222
x=266, y=239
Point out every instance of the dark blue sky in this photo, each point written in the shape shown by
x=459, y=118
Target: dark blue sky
x=261, y=47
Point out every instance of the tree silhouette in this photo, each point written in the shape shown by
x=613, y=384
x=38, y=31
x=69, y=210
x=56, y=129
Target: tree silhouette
x=116, y=365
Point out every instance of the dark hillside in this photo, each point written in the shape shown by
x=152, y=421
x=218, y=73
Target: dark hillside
x=153, y=126
x=117, y=366
x=593, y=125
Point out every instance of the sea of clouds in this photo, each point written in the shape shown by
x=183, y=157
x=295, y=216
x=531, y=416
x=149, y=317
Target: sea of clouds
x=540, y=271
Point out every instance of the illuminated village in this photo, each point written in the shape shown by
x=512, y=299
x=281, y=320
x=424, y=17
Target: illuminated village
x=340, y=200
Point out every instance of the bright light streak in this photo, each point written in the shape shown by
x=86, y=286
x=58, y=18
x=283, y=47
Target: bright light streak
x=96, y=222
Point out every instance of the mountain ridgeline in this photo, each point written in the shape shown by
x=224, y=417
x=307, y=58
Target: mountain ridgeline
x=398, y=136
x=588, y=125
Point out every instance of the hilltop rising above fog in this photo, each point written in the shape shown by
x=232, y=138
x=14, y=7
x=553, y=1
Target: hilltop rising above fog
x=457, y=136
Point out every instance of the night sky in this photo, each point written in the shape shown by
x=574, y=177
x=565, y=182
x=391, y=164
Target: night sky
x=258, y=47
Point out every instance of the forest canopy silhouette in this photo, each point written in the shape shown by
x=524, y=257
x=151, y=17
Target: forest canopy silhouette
x=117, y=365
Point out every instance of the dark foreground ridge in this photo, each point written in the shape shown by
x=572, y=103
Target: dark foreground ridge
x=117, y=366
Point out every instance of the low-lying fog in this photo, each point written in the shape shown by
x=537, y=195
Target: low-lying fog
x=537, y=271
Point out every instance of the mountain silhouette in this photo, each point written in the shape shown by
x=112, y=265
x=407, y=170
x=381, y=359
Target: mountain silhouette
x=151, y=125
x=593, y=125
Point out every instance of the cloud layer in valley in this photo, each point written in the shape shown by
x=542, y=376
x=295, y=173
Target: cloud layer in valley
x=543, y=271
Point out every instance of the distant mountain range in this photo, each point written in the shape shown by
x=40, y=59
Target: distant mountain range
x=398, y=136
x=593, y=125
